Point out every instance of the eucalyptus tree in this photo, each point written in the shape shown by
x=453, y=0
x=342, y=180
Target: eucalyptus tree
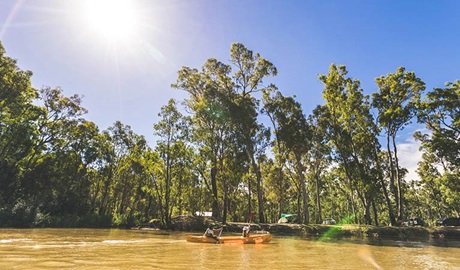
x=276, y=189
x=103, y=170
x=319, y=154
x=62, y=114
x=235, y=170
x=121, y=186
x=151, y=197
x=336, y=195
x=172, y=133
x=435, y=202
x=225, y=111
x=72, y=162
x=18, y=119
x=396, y=105
x=277, y=177
x=46, y=147
x=295, y=134
x=248, y=79
x=353, y=135
x=440, y=112
x=210, y=121
x=424, y=198
x=126, y=171
x=55, y=172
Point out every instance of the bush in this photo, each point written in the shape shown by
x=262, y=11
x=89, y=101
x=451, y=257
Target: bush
x=21, y=214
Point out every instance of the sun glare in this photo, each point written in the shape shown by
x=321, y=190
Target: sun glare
x=113, y=20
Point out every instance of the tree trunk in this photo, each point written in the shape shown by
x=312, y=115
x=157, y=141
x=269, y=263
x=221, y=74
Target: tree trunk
x=256, y=170
x=305, y=213
x=318, y=199
x=167, y=187
x=224, y=215
x=215, y=203
x=281, y=195
x=260, y=194
x=249, y=198
x=367, y=214
x=384, y=189
x=399, y=184
x=392, y=172
x=376, y=217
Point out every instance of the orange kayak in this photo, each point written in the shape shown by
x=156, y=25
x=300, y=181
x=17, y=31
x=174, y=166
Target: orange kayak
x=251, y=239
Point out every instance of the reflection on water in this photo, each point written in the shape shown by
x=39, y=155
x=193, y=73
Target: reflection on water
x=133, y=249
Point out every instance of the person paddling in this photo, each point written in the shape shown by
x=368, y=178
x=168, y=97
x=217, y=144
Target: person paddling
x=246, y=229
x=210, y=232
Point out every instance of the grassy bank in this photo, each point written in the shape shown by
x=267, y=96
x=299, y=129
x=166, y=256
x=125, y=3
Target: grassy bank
x=347, y=230
x=338, y=231
x=198, y=224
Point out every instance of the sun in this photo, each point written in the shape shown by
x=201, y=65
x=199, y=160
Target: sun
x=112, y=20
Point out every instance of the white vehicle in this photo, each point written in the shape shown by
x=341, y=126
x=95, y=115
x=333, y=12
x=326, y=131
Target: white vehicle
x=329, y=221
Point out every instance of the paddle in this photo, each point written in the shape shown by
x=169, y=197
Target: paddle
x=246, y=229
x=207, y=232
x=210, y=233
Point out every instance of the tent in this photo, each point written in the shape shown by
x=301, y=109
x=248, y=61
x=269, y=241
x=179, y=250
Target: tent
x=285, y=218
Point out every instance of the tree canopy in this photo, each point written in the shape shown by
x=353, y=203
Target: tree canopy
x=236, y=146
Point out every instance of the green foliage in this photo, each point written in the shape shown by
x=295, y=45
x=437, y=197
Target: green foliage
x=57, y=169
x=294, y=138
x=353, y=136
x=439, y=169
x=396, y=105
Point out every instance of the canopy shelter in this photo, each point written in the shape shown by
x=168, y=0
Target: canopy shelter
x=286, y=218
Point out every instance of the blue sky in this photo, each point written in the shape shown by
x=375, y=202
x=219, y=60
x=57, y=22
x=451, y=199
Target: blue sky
x=129, y=79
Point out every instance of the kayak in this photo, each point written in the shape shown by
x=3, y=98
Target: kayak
x=251, y=239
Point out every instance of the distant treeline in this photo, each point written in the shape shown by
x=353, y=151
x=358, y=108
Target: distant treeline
x=217, y=153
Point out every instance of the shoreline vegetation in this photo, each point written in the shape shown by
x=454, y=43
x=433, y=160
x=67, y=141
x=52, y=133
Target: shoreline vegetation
x=199, y=224
x=213, y=153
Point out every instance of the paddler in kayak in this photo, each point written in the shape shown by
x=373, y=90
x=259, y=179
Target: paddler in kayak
x=210, y=232
x=246, y=229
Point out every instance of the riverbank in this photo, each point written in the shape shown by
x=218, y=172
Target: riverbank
x=348, y=230
x=199, y=224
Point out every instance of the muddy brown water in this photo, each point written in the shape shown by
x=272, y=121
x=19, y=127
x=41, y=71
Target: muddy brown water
x=137, y=249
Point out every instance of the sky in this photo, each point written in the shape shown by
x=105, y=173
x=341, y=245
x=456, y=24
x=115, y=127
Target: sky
x=122, y=56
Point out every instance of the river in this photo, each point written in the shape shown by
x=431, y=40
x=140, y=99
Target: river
x=139, y=249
